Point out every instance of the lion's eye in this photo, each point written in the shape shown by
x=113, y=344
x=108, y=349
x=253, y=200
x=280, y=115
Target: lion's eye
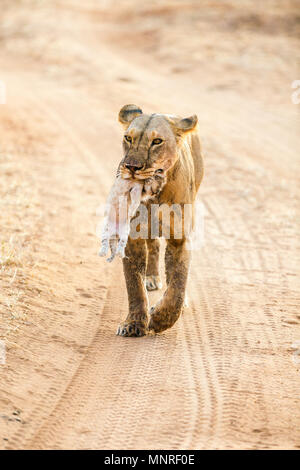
x=156, y=141
x=128, y=138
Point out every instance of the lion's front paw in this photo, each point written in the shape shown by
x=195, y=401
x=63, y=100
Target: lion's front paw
x=132, y=328
x=157, y=323
x=153, y=283
x=162, y=317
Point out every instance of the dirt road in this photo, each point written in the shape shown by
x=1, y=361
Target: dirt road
x=227, y=375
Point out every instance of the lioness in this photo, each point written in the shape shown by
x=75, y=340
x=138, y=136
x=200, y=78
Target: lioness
x=167, y=149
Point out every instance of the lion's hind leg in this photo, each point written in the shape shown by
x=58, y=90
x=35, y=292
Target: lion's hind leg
x=167, y=311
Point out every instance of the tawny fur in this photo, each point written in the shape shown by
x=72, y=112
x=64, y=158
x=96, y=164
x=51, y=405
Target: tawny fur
x=157, y=145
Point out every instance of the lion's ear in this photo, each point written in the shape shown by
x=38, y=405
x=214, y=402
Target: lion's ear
x=128, y=113
x=182, y=126
x=187, y=124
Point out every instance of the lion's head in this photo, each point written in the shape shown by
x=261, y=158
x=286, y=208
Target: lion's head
x=150, y=141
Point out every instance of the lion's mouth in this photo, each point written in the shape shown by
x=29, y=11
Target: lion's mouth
x=141, y=174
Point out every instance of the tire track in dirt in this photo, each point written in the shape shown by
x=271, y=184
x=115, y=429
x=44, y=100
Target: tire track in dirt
x=267, y=335
x=72, y=401
x=204, y=380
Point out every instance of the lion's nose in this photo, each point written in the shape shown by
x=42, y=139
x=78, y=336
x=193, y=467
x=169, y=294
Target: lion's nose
x=134, y=166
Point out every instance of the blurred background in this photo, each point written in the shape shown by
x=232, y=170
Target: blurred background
x=226, y=44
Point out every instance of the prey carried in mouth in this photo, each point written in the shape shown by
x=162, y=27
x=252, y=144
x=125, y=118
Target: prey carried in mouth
x=123, y=201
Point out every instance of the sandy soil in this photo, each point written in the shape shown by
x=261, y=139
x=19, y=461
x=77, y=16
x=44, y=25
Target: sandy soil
x=227, y=375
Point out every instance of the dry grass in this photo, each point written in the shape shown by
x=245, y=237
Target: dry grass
x=14, y=266
x=20, y=216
